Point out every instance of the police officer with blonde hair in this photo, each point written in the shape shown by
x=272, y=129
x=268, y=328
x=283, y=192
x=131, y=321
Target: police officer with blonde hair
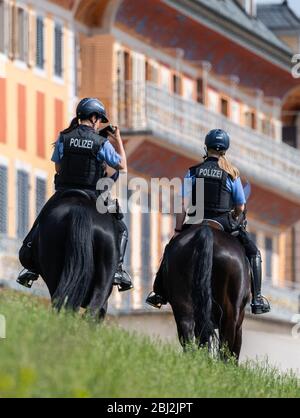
x=224, y=202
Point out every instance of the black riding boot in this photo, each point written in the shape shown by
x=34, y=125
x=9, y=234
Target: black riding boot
x=26, y=279
x=155, y=300
x=259, y=304
x=122, y=278
x=26, y=258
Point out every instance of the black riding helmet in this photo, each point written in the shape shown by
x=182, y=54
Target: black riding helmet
x=218, y=140
x=91, y=106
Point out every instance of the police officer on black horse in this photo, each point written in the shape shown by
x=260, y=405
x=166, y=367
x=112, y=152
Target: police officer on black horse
x=224, y=202
x=81, y=156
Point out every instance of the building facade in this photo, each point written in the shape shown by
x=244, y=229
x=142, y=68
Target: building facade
x=168, y=71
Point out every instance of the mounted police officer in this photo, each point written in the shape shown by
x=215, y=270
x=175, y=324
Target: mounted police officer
x=224, y=202
x=81, y=156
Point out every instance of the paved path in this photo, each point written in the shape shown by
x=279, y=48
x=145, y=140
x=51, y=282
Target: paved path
x=261, y=339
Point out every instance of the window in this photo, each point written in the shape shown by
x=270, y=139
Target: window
x=289, y=135
x=269, y=254
x=40, y=42
x=151, y=73
x=267, y=127
x=22, y=35
x=250, y=120
x=23, y=203
x=177, y=87
x=40, y=197
x=200, y=90
x=58, y=54
x=224, y=107
x=3, y=200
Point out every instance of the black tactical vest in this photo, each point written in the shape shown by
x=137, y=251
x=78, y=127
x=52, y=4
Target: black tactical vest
x=79, y=165
x=217, y=198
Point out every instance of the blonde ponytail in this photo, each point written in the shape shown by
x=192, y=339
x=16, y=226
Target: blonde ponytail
x=228, y=167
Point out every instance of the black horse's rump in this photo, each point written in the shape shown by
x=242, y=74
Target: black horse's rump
x=78, y=254
x=206, y=278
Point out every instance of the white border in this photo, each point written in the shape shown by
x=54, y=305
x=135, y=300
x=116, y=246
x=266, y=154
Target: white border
x=22, y=165
x=4, y=161
x=43, y=175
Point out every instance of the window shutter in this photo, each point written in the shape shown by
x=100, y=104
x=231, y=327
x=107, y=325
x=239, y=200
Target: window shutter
x=3, y=200
x=25, y=36
x=40, y=42
x=2, y=26
x=13, y=32
x=40, y=197
x=32, y=39
x=23, y=203
x=6, y=27
x=58, y=50
x=138, y=90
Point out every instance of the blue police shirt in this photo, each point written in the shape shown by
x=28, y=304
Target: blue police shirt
x=107, y=154
x=233, y=186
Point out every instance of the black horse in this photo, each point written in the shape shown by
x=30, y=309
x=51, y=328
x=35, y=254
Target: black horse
x=77, y=253
x=206, y=278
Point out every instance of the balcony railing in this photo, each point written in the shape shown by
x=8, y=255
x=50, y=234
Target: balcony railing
x=183, y=123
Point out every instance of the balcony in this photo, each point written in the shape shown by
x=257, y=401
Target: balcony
x=184, y=124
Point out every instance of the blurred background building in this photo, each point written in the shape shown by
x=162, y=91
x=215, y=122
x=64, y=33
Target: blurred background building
x=168, y=72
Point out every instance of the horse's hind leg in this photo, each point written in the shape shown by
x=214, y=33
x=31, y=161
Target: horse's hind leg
x=97, y=306
x=228, y=335
x=185, y=329
x=238, y=337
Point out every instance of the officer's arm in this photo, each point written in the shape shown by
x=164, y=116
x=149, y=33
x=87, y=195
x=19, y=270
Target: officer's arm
x=57, y=167
x=117, y=143
x=238, y=210
x=238, y=197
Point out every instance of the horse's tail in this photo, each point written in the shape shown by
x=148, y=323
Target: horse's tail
x=78, y=272
x=202, y=288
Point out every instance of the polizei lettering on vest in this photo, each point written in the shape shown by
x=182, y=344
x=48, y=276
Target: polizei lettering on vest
x=210, y=172
x=81, y=143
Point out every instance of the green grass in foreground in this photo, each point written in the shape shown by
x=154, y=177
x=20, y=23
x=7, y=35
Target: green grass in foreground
x=50, y=355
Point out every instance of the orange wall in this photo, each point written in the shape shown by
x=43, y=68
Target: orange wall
x=3, y=110
x=22, y=117
x=40, y=124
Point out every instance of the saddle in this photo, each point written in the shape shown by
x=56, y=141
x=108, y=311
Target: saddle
x=209, y=222
x=219, y=227
x=76, y=192
x=213, y=224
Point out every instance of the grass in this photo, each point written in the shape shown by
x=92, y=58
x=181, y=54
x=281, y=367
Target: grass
x=50, y=355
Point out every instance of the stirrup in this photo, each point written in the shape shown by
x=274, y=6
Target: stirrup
x=122, y=279
x=261, y=306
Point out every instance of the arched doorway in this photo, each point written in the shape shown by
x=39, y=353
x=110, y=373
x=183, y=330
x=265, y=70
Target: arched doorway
x=291, y=118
